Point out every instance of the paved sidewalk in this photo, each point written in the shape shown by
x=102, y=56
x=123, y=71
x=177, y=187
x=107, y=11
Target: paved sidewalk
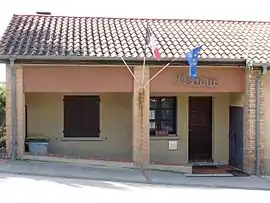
x=129, y=175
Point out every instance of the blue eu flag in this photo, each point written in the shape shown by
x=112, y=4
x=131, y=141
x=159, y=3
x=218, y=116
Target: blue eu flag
x=192, y=58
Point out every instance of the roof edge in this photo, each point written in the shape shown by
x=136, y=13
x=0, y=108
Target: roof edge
x=113, y=60
x=147, y=18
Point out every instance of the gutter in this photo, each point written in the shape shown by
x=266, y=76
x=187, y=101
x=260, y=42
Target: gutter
x=13, y=108
x=116, y=60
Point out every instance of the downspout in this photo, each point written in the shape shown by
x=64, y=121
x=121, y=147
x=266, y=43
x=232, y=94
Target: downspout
x=257, y=142
x=258, y=118
x=13, y=109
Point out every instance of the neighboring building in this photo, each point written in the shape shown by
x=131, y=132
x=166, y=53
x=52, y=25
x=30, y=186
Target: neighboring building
x=78, y=92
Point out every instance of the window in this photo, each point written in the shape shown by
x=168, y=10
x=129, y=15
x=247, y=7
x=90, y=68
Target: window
x=162, y=116
x=81, y=116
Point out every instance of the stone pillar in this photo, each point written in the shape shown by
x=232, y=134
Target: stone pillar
x=250, y=122
x=140, y=102
x=20, y=111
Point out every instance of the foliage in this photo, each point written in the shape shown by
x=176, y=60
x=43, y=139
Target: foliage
x=2, y=97
x=2, y=114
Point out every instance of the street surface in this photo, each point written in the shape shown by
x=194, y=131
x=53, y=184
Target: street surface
x=37, y=189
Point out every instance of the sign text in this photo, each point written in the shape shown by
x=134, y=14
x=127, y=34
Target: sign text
x=198, y=82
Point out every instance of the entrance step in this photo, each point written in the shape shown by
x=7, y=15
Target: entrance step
x=209, y=175
x=185, y=169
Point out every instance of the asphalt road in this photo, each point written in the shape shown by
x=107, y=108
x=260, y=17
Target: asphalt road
x=28, y=189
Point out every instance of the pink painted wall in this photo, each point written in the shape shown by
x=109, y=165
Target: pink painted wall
x=225, y=80
x=118, y=79
x=77, y=79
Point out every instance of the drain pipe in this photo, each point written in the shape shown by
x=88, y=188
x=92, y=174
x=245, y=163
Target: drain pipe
x=258, y=150
x=258, y=117
x=13, y=109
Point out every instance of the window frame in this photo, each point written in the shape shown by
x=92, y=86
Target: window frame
x=95, y=134
x=158, y=116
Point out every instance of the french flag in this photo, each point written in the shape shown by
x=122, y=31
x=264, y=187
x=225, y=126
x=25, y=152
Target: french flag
x=151, y=43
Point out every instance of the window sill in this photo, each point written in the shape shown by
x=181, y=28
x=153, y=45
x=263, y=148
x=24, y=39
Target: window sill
x=170, y=137
x=81, y=139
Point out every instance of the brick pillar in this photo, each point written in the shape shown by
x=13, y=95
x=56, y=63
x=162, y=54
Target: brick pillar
x=250, y=122
x=20, y=112
x=140, y=119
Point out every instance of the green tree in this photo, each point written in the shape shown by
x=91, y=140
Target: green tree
x=2, y=98
x=2, y=114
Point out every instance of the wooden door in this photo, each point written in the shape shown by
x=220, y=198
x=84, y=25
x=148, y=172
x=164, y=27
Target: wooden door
x=200, y=129
x=236, y=139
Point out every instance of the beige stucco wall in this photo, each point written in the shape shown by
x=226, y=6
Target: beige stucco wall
x=45, y=116
x=237, y=99
x=159, y=150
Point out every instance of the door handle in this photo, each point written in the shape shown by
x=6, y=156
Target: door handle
x=189, y=130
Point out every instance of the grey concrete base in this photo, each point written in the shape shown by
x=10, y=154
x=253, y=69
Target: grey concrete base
x=84, y=162
x=100, y=173
x=185, y=169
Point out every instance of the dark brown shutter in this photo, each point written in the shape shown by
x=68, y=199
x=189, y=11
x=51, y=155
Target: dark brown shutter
x=81, y=116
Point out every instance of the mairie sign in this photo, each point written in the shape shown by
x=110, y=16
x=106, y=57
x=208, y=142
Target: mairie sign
x=198, y=82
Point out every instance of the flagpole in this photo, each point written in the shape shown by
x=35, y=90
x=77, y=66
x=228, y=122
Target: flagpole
x=144, y=55
x=131, y=72
x=143, y=70
x=158, y=72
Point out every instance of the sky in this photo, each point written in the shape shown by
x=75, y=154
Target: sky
x=250, y=10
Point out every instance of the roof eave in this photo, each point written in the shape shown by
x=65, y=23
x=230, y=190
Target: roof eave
x=118, y=60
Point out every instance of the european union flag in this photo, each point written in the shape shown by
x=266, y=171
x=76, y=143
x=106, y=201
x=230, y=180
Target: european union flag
x=192, y=58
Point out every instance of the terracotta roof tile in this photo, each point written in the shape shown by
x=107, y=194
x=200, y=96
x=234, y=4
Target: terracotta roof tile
x=33, y=35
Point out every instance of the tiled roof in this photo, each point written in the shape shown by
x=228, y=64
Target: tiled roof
x=36, y=35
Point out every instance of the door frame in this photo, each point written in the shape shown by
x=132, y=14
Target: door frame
x=212, y=125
